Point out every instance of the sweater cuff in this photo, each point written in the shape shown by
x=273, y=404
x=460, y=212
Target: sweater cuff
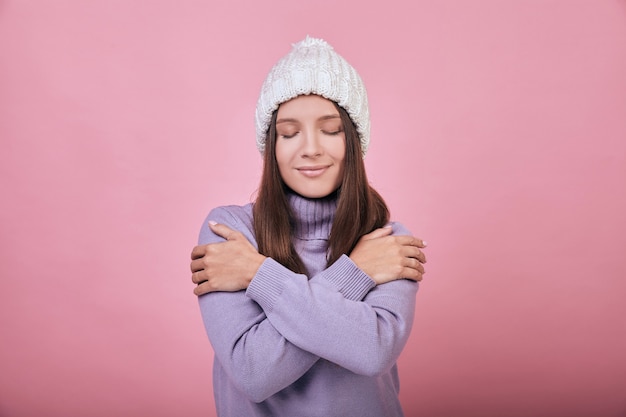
x=349, y=279
x=268, y=283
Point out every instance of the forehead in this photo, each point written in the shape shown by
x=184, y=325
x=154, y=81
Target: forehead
x=312, y=106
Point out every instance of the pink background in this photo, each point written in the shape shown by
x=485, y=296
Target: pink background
x=499, y=135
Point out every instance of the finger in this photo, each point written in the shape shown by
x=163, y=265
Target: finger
x=203, y=288
x=413, y=264
x=380, y=232
x=421, y=256
x=198, y=277
x=223, y=230
x=196, y=265
x=198, y=251
x=411, y=241
x=412, y=274
x=413, y=252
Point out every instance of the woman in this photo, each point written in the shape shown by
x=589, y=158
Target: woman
x=308, y=293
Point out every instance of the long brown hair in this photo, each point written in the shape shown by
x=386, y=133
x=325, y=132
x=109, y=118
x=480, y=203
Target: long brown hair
x=360, y=209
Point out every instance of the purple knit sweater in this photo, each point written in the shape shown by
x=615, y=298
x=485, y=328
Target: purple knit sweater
x=292, y=345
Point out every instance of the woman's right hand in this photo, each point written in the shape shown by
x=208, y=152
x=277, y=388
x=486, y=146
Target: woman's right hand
x=224, y=266
x=386, y=258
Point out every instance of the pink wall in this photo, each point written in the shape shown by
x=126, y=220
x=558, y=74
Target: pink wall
x=499, y=135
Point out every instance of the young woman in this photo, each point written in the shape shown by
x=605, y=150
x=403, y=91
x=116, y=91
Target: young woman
x=308, y=293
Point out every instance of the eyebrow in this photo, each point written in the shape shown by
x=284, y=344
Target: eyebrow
x=292, y=120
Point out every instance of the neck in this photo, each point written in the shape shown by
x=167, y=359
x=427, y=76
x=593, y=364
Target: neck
x=312, y=217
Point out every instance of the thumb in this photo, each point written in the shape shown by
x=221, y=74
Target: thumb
x=380, y=232
x=222, y=230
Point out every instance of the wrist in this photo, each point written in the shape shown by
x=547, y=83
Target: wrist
x=255, y=266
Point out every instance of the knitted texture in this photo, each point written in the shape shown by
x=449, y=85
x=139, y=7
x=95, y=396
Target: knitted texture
x=320, y=345
x=313, y=67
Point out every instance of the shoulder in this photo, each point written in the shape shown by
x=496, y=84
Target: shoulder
x=399, y=229
x=236, y=217
x=231, y=215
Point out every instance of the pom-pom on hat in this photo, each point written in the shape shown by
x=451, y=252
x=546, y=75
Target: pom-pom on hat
x=313, y=67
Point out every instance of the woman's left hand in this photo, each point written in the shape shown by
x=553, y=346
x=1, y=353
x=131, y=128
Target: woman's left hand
x=224, y=266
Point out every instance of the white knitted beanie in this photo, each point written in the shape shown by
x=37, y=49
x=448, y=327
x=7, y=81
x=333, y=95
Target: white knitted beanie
x=313, y=67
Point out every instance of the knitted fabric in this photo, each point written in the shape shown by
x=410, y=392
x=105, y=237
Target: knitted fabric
x=313, y=67
x=320, y=344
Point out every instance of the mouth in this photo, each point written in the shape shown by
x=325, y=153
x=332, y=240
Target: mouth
x=313, y=171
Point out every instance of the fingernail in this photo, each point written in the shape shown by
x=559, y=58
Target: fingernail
x=424, y=243
x=212, y=223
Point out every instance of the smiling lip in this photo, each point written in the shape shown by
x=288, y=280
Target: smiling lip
x=313, y=171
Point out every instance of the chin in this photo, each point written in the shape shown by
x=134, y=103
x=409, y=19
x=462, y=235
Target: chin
x=320, y=193
x=314, y=195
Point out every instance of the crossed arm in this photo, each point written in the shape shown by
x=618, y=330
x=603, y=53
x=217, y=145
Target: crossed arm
x=230, y=265
x=269, y=335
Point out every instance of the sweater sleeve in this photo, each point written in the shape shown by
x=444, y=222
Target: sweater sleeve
x=258, y=359
x=339, y=314
x=267, y=337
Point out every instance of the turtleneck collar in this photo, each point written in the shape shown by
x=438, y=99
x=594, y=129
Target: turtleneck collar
x=312, y=217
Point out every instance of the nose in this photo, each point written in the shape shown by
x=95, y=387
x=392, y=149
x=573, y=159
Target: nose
x=311, y=146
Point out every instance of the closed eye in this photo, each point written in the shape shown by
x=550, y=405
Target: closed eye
x=288, y=136
x=332, y=133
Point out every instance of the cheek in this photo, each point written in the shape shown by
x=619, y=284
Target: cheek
x=340, y=158
x=339, y=151
x=281, y=166
x=342, y=167
x=282, y=160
